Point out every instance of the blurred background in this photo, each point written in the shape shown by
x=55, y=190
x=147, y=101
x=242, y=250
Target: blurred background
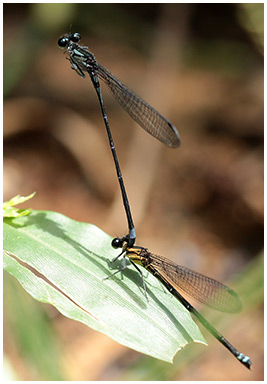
x=201, y=66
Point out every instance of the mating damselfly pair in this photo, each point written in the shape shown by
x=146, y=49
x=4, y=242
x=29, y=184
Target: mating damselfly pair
x=173, y=277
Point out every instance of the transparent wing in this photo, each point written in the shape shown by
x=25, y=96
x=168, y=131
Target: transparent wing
x=200, y=287
x=145, y=115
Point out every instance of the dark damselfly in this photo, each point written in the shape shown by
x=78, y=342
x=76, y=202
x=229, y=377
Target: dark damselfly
x=178, y=278
x=146, y=116
x=172, y=276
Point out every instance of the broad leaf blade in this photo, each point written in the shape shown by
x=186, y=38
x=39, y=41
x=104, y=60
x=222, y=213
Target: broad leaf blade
x=63, y=262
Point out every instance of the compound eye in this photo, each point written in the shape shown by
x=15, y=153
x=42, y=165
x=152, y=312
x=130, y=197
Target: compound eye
x=75, y=37
x=116, y=243
x=63, y=42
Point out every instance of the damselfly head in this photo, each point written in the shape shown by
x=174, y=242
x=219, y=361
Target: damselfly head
x=117, y=243
x=67, y=39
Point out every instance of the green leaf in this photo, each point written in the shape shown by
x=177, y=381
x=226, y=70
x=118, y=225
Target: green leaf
x=10, y=211
x=63, y=262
